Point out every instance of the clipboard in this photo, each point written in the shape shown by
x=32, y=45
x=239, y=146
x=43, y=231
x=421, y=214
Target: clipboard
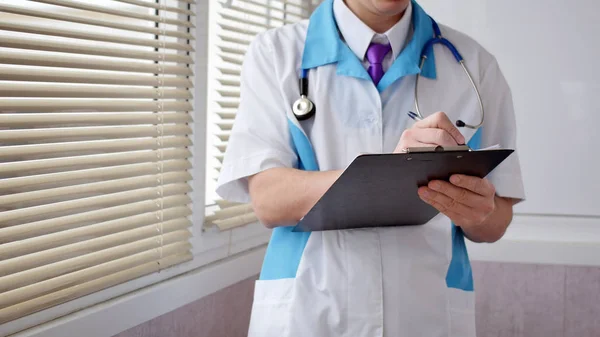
x=379, y=190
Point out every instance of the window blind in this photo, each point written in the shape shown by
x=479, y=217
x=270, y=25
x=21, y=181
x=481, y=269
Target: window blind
x=238, y=22
x=95, y=103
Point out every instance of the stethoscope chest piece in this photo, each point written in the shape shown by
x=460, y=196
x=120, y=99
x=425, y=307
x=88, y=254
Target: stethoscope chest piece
x=303, y=108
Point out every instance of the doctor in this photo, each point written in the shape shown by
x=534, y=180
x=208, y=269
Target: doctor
x=361, y=59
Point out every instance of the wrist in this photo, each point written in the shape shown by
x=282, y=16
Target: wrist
x=315, y=184
x=494, y=226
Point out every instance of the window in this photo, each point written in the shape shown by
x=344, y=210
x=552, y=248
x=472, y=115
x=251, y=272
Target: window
x=103, y=145
x=234, y=23
x=96, y=157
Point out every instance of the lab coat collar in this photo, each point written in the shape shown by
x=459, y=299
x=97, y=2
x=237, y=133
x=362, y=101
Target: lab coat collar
x=358, y=36
x=324, y=46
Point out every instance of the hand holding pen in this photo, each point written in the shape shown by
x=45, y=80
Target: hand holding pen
x=436, y=129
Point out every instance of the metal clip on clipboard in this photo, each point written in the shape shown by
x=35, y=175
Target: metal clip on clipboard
x=438, y=148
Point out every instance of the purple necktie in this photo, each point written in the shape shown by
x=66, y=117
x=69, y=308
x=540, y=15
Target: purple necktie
x=375, y=55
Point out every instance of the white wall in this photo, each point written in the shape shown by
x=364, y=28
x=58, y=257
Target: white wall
x=549, y=50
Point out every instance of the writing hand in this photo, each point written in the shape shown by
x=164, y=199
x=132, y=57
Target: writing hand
x=434, y=130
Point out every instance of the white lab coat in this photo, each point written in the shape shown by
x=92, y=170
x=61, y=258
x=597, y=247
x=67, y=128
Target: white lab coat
x=400, y=281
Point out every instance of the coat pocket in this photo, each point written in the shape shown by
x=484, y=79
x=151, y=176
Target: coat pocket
x=461, y=313
x=271, y=308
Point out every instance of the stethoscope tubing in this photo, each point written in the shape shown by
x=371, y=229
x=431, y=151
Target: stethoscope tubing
x=305, y=102
x=439, y=39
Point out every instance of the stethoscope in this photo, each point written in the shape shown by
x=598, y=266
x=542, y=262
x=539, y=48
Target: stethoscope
x=304, y=108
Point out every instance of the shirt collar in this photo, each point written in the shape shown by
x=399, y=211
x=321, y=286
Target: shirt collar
x=323, y=45
x=358, y=36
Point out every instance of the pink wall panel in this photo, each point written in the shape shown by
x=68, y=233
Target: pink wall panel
x=513, y=300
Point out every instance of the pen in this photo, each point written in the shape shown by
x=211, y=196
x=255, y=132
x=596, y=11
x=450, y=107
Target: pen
x=414, y=116
x=417, y=118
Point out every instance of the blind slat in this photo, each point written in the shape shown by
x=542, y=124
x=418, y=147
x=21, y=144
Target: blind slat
x=108, y=186
x=111, y=172
x=44, y=119
x=229, y=104
x=80, y=276
x=114, y=145
x=78, y=62
x=229, y=27
x=229, y=212
x=263, y=15
x=232, y=72
x=13, y=266
x=229, y=82
x=224, y=114
x=159, y=6
x=111, y=159
x=111, y=11
x=46, y=226
x=49, y=105
x=112, y=199
x=233, y=59
x=274, y=8
x=234, y=40
x=8, y=73
x=244, y=21
x=221, y=147
x=225, y=126
x=44, y=272
x=48, y=135
x=232, y=52
x=89, y=21
x=74, y=48
x=236, y=221
x=101, y=229
x=70, y=91
x=65, y=295
x=75, y=34
x=229, y=93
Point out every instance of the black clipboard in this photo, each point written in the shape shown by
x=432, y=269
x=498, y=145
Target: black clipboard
x=378, y=190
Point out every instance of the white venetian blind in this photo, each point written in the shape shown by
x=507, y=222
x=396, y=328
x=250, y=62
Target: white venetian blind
x=237, y=23
x=95, y=101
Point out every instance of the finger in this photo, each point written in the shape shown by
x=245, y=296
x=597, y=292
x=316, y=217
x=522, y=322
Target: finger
x=475, y=184
x=408, y=140
x=443, y=203
x=440, y=120
x=461, y=195
x=457, y=219
x=434, y=136
x=423, y=138
x=402, y=147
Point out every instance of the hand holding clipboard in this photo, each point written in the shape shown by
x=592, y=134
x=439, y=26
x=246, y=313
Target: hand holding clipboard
x=383, y=189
